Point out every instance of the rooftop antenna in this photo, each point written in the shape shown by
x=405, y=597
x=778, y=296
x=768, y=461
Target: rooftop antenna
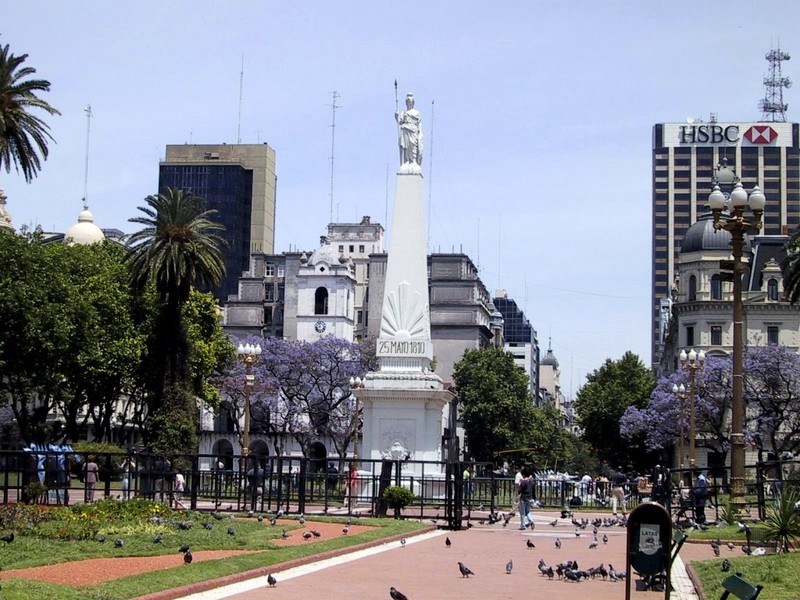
x=479, y=246
x=499, y=242
x=430, y=184
x=334, y=106
x=88, y=111
x=241, y=87
x=772, y=106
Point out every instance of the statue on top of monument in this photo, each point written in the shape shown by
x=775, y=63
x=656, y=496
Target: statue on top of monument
x=409, y=123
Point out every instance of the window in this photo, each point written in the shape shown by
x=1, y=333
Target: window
x=351, y=248
x=281, y=270
x=361, y=248
x=772, y=334
x=341, y=248
x=269, y=270
x=692, y=289
x=716, y=287
x=359, y=317
x=366, y=276
x=268, y=316
x=716, y=335
x=772, y=289
x=690, y=335
x=269, y=292
x=321, y=301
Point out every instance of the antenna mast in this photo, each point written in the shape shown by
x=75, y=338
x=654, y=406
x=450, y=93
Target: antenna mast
x=334, y=106
x=88, y=111
x=239, y=120
x=772, y=106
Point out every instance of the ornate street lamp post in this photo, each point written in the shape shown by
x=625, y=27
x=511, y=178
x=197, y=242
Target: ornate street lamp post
x=692, y=363
x=356, y=383
x=248, y=355
x=735, y=222
x=680, y=394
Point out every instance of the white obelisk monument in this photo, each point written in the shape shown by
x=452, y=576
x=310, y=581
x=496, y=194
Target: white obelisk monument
x=403, y=400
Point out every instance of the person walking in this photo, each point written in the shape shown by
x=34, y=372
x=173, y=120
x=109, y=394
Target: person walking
x=618, y=482
x=699, y=497
x=180, y=487
x=526, y=499
x=90, y=471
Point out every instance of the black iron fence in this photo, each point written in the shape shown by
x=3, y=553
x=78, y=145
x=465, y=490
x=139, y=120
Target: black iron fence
x=451, y=491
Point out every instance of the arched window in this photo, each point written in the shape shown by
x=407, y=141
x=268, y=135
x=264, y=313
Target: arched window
x=321, y=301
x=716, y=287
x=692, y=288
x=772, y=289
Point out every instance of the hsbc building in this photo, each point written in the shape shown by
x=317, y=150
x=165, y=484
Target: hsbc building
x=685, y=156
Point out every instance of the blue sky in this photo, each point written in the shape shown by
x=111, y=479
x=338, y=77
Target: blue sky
x=540, y=135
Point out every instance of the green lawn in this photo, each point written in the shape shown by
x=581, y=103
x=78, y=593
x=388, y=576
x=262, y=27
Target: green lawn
x=778, y=573
x=46, y=536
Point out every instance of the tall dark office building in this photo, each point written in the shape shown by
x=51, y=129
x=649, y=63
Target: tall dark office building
x=685, y=157
x=520, y=338
x=237, y=180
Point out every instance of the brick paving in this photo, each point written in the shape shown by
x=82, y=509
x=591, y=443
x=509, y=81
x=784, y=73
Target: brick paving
x=426, y=569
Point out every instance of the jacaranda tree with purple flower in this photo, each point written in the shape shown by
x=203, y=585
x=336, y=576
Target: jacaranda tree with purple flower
x=771, y=394
x=302, y=389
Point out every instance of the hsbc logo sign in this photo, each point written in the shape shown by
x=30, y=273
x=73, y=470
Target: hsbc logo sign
x=760, y=134
x=711, y=133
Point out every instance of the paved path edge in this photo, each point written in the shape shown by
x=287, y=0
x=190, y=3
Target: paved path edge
x=695, y=581
x=209, y=584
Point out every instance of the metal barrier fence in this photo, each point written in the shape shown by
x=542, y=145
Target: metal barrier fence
x=298, y=485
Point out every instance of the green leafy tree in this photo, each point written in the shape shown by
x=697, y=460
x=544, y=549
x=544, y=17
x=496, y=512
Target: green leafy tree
x=495, y=401
x=600, y=404
x=67, y=339
x=179, y=248
x=23, y=135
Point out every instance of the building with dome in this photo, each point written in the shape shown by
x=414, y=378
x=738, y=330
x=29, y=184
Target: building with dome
x=686, y=157
x=84, y=232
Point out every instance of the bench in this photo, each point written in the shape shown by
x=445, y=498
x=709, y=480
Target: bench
x=740, y=588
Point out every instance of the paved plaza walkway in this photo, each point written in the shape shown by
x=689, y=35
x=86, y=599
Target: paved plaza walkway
x=425, y=568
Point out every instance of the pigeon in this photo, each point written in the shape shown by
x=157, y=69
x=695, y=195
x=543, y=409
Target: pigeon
x=184, y=549
x=465, y=571
x=530, y=544
x=158, y=539
x=207, y=525
x=302, y=520
x=730, y=545
x=101, y=539
x=345, y=530
x=260, y=518
x=119, y=543
x=316, y=533
x=307, y=535
x=284, y=534
x=716, y=549
x=558, y=543
x=231, y=531
x=605, y=538
x=403, y=542
x=447, y=542
x=554, y=522
x=217, y=516
x=570, y=575
x=509, y=567
x=273, y=521
x=250, y=513
x=577, y=533
x=271, y=580
x=593, y=545
x=397, y=594
x=549, y=572
x=542, y=567
x=8, y=538
x=184, y=525
x=187, y=557
x=726, y=565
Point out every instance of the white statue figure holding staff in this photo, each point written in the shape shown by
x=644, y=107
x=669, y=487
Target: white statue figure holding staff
x=409, y=123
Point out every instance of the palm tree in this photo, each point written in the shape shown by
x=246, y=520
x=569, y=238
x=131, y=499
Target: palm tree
x=23, y=136
x=177, y=249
